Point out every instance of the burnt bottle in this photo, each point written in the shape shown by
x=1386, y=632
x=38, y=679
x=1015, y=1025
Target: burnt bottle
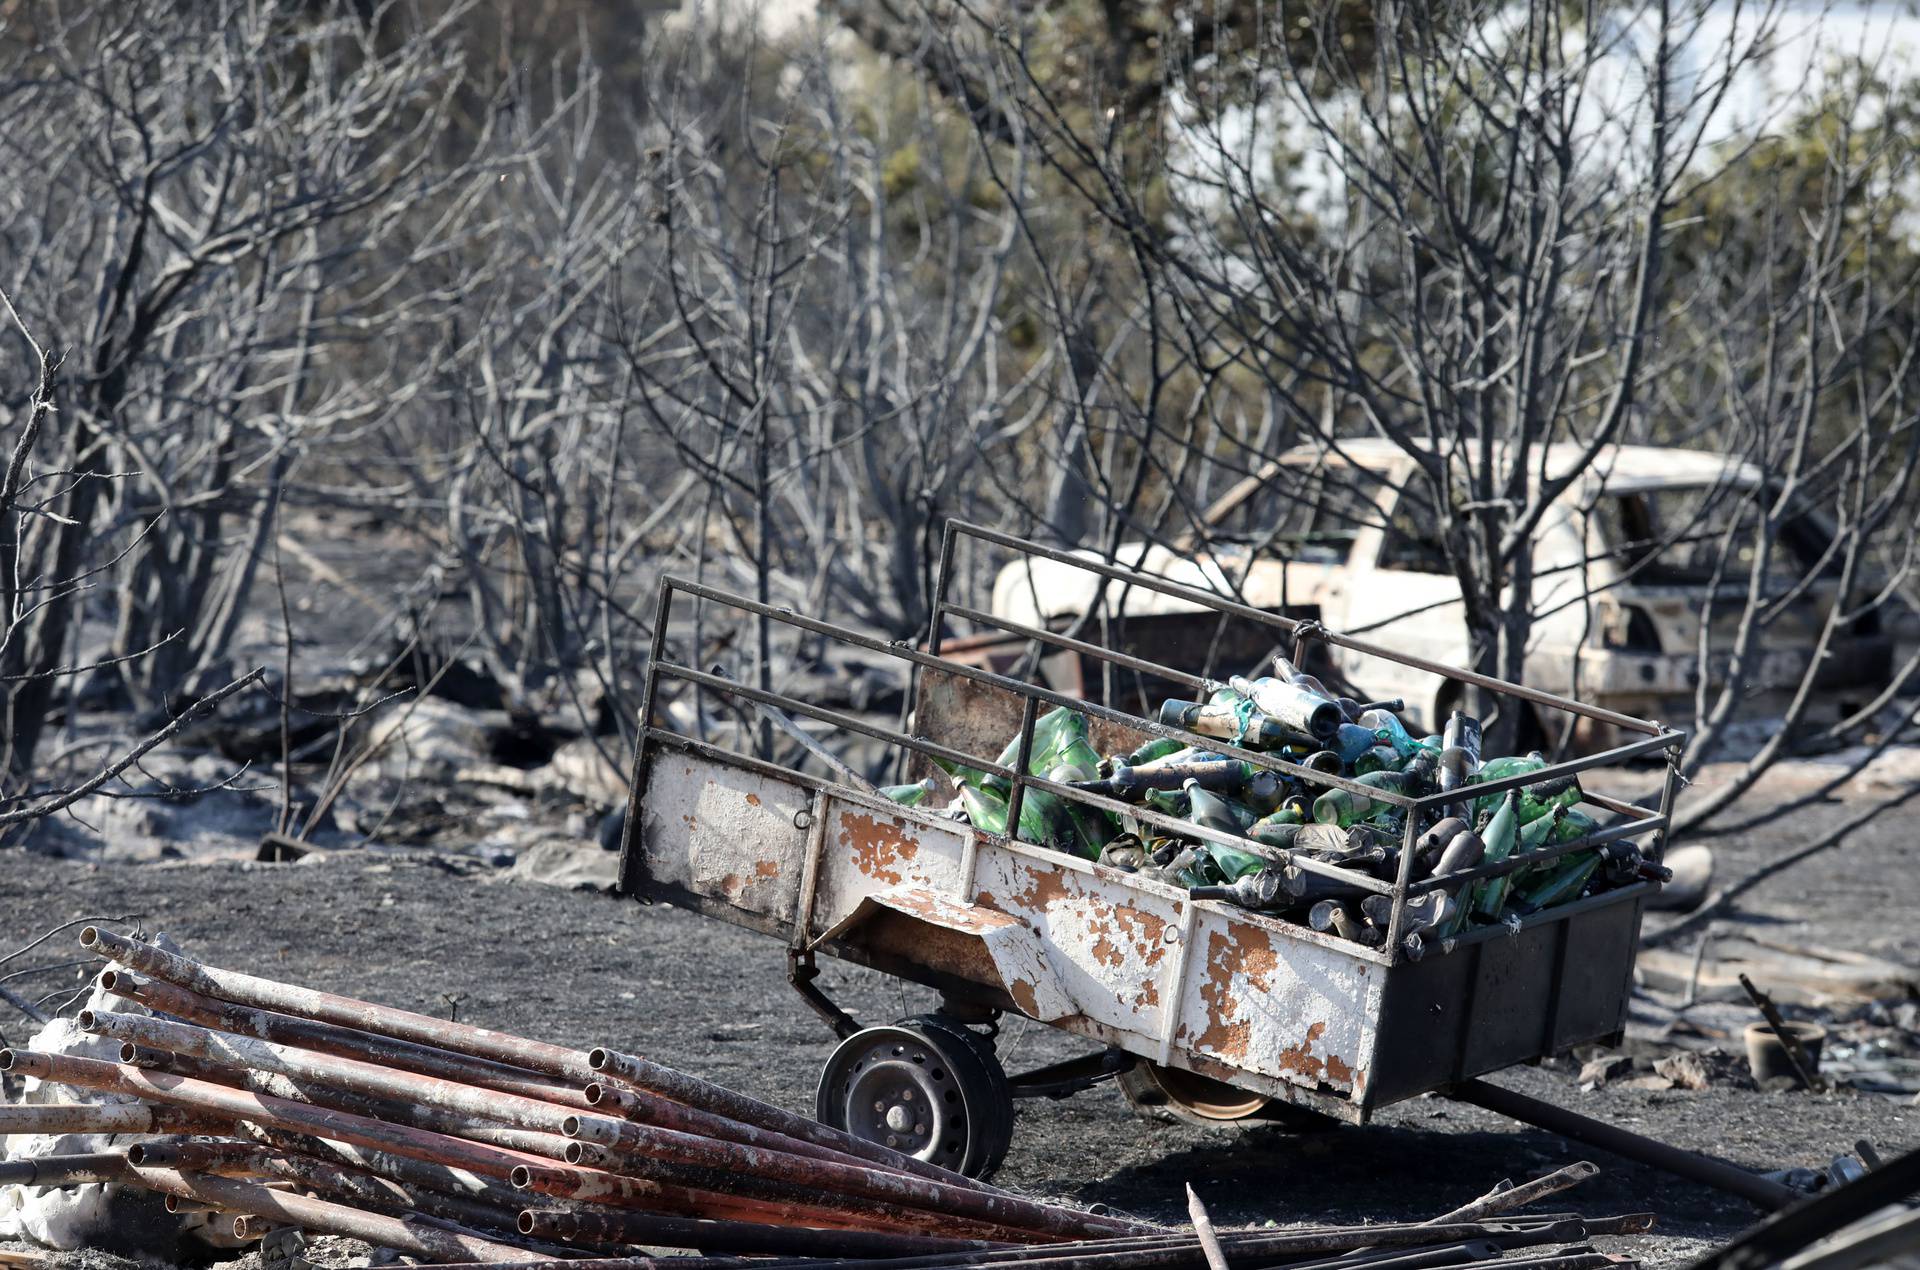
x=1500, y=835
x=1262, y=888
x=1338, y=918
x=1381, y=758
x=1281, y=827
x=1285, y=669
x=1346, y=807
x=909, y=795
x=1307, y=714
x=1460, y=751
x=1391, y=731
x=1428, y=846
x=1158, y=747
x=1240, y=724
x=1464, y=851
x=1421, y=769
x=1214, y=771
x=1215, y=811
x=1424, y=913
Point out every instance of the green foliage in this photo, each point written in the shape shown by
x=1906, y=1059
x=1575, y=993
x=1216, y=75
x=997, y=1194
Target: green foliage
x=1849, y=149
x=901, y=171
x=1797, y=270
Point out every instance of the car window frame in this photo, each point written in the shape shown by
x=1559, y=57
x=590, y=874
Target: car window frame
x=1402, y=488
x=1348, y=477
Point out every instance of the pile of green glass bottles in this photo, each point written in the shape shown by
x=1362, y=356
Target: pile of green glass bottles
x=1285, y=817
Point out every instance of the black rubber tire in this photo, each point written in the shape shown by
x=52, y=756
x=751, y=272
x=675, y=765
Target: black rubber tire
x=996, y=1128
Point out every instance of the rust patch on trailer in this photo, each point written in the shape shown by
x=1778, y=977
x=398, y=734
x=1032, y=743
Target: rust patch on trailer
x=1299, y=1058
x=925, y=942
x=766, y=868
x=1025, y=997
x=1247, y=967
x=1244, y=968
x=1115, y=933
x=1228, y=1034
x=1146, y=931
x=1045, y=886
x=753, y=800
x=1330, y=1070
x=929, y=908
x=876, y=845
x=1119, y=930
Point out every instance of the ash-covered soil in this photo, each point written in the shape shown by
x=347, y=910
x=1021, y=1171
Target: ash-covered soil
x=583, y=968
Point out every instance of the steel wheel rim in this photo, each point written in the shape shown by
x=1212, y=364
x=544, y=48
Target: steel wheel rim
x=896, y=1088
x=1205, y=1097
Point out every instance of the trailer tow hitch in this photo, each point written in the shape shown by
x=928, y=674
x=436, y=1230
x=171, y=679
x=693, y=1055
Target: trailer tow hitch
x=801, y=972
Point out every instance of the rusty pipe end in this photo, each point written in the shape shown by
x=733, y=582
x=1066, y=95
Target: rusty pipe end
x=121, y=982
x=599, y=1057
x=6, y=1060
x=89, y=936
x=596, y=1129
x=576, y=1151
x=139, y=1153
x=521, y=1177
x=88, y=1021
x=129, y=1052
x=595, y=1091
x=525, y=1222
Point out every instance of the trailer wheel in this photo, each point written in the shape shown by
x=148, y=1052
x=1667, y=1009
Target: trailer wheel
x=1172, y=1094
x=927, y=1088
x=989, y=1080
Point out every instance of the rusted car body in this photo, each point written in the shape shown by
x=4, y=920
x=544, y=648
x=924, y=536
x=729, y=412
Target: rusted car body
x=1624, y=578
x=1129, y=963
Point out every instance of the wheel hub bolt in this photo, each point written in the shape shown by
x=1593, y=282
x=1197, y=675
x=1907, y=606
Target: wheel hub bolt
x=900, y=1119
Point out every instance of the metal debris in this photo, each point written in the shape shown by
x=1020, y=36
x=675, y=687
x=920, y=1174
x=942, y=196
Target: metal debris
x=282, y=1109
x=440, y=1139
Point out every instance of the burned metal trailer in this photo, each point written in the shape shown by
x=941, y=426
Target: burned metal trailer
x=1218, y=1011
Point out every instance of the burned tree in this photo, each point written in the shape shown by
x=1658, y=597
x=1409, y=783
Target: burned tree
x=230, y=210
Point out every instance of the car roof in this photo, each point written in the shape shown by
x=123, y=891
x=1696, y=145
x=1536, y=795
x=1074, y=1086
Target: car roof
x=1621, y=468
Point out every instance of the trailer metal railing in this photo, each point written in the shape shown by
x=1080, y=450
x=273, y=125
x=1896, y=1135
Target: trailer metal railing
x=1655, y=737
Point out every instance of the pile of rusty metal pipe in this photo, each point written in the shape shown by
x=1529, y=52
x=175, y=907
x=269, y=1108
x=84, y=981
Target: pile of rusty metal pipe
x=285, y=1106
x=271, y=1105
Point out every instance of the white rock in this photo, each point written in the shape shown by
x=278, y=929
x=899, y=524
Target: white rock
x=97, y=1215
x=557, y=862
